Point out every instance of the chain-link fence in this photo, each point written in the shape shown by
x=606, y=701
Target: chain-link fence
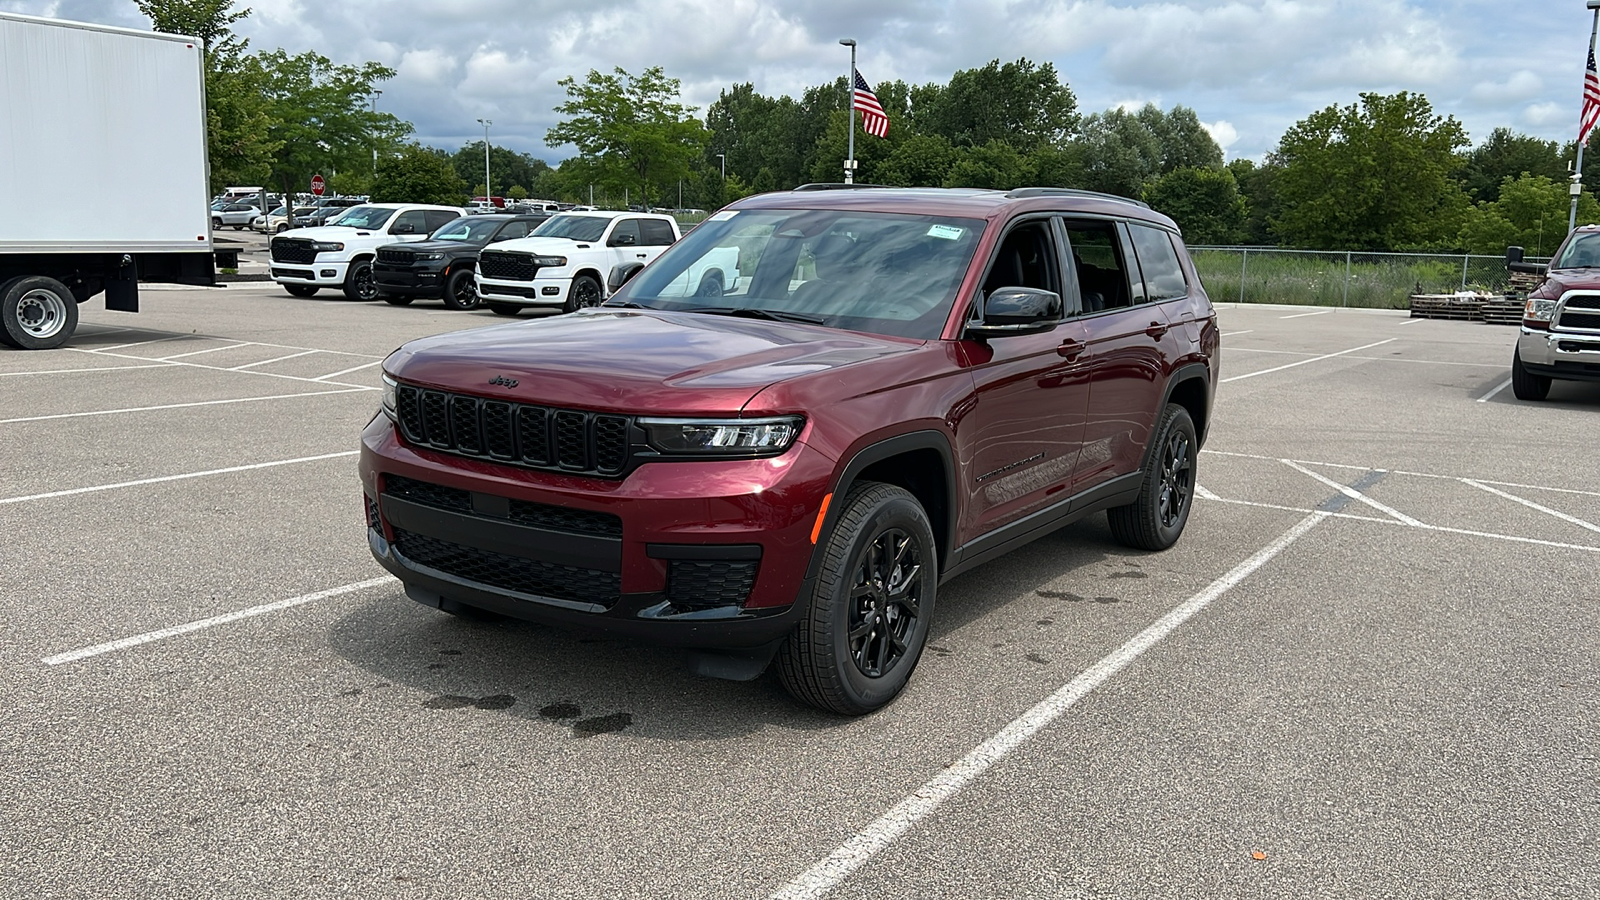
x=1333, y=278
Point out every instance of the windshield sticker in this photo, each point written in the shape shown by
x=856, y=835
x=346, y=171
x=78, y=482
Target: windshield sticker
x=948, y=232
x=723, y=216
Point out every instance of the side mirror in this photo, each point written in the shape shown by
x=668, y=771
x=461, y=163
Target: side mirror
x=1017, y=310
x=621, y=275
x=403, y=228
x=1513, y=255
x=622, y=240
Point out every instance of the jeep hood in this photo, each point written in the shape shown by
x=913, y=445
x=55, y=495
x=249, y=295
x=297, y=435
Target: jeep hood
x=634, y=361
x=439, y=246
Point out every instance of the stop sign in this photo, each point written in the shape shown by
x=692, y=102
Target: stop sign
x=317, y=185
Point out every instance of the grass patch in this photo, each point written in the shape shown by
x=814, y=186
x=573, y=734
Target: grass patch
x=1365, y=280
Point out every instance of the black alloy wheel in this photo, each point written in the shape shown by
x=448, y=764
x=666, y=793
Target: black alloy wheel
x=885, y=600
x=358, y=282
x=1177, y=480
x=461, y=291
x=1155, y=519
x=584, y=294
x=710, y=284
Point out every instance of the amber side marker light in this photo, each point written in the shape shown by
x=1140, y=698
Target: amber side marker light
x=816, y=530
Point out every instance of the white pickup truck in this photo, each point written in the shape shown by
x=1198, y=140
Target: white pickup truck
x=340, y=255
x=568, y=261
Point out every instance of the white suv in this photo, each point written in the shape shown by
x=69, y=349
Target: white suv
x=568, y=260
x=340, y=253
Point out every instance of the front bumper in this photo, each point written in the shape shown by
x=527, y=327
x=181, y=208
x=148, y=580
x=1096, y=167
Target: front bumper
x=538, y=292
x=1564, y=355
x=321, y=273
x=675, y=518
x=409, y=281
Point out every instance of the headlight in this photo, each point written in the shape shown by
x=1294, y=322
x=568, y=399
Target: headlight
x=428, y=256
x=389, y=386
x=326, y=246
x=1539, y=310
x=722, y=437
x=549, y=262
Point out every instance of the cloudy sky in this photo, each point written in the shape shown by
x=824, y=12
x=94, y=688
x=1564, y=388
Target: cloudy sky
x=1249, y=68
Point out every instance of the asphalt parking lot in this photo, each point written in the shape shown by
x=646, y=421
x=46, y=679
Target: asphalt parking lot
x=1367, y=670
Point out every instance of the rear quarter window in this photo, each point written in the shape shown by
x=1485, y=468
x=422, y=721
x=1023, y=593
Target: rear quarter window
x=1158, y=261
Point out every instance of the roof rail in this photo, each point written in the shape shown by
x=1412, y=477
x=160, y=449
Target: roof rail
x=837, y=186
x=1023, y=193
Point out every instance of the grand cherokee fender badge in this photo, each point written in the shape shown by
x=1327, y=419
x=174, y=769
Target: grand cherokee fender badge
x=503, y=381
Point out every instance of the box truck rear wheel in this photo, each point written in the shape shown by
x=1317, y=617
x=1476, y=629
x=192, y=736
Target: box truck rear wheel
x=37, y=313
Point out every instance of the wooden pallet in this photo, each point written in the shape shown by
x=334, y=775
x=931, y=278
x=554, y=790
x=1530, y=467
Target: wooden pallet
x=1505, y=310
x=1447, y=306
x=1523, y=282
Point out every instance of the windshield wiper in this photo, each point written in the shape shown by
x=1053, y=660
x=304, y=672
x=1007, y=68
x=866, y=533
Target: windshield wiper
x=755, y=312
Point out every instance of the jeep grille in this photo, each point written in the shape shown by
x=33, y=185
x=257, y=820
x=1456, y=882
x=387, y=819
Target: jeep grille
x=538, y=437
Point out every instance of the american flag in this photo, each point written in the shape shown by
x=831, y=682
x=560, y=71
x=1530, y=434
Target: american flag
x=1591, y=101
x=876, y=123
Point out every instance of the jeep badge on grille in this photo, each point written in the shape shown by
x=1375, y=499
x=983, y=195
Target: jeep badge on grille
x=503, y=381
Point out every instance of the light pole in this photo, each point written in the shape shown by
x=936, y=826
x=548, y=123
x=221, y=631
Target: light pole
x=487, y=192
x=1577, y=172
x=722, y=159
x=375, y=96
x=850, y=92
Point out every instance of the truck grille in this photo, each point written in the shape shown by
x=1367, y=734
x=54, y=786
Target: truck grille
x=1570, y=318
x=510, y=573
x=537, y=437
x=505, y=265
x=539, y=515
x=396, y=257
x=293, y=250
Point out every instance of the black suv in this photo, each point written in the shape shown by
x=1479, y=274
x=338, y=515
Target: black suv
x=441, y=266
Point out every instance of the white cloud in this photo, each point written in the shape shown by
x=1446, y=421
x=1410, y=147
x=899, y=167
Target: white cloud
x=1544, y=115
x=1522, y=85
x=1223, y=132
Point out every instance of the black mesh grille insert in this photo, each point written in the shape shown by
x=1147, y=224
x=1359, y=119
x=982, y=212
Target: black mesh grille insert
x=396, y=257
x=533, y=436
x=427, y=493
x=705, y=584
x=1584, y=302
x=374, y=521
x=293, y=250
x=1579, y=320
x=539, y=515
x=509, y=266
x=510, y=573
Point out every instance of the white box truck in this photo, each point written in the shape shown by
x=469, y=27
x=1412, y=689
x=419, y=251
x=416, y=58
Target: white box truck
x=110, y=113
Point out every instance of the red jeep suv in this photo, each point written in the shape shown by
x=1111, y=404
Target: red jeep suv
x=880, y=389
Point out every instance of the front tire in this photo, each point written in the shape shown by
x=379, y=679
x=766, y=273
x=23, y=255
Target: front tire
x=504, y=309
x=1156, y=518
x=358, y=282
x=1524, y=384
x=584, y=293
x=461, y=291
x=868, y=619
x=281, y=228
x=301, y=290
x=37, y=313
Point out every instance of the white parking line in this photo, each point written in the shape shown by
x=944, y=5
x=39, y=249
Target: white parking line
x=1311, y=360
x=1497, y=389
x=164, y=478
x=273, y=360
x=1334, y=465
x=76, y=371
x=1202, y=493
x=149, y=636
x=181, y=362
x=133, y=409
x=1303, y=315
x=347, y=371
x=828, y=873
x=1354, y=494
x=174, y=337
x=1532, y=505
x=207, y=350
x=1412, y=321
x=1232, y=333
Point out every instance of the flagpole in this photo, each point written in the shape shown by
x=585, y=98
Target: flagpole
x=1577, y=172
x=850, y=91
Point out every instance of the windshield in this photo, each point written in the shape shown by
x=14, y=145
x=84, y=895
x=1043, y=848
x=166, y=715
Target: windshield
x=475, y=228
x=278, y=212
x=1581, y=252
x=369, y=217
x=884, y=273
x=577, y=228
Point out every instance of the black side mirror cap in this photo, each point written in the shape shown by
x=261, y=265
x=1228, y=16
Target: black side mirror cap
x=621, y=275
x=1017, y=310
x=1513, y=255
x=622, y=240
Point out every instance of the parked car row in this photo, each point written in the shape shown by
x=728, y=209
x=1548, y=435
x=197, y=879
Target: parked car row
x=400, y=252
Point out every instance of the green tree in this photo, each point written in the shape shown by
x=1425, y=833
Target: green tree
x=632, y=129
x=1530, y=212
x=417, y=174
x=517, y=192
x=1184, y=142
x=1021, y=103
x=996, y=165
x=1205, y=202
x=1116, y=153
x=1507, y=155
x=238, y=120
x=828, y=159
x=1373, y=176
x=506, y=166
x=1259, y=187
x=921, y=160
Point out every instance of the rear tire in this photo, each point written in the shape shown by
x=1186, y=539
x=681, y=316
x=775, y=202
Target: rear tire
x=37, y=313
x=584, y=293
x=868, y=618
x=1155, y=520
x=710, y=284
x=358, y=282
x=461, y=291
x=1525, y=384
x=504, y=309
x=301, y=290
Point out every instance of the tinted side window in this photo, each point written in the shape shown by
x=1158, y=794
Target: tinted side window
x=1163, y=275
x=511, y=231
x=1025, y=258
x=412, y=217
x=438, y=218
x=657, y=233
x=1097, y=256
x=626, y=226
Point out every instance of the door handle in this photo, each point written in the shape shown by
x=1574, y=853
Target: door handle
x=640, y=255
x=1070, y=348
x=1156, y=330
